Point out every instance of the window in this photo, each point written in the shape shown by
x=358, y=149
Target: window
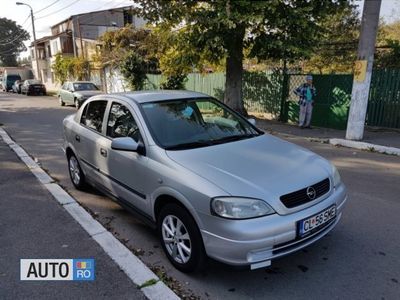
x=92, y=115
x=121, y=123
x=128, y=18
x=85, y=86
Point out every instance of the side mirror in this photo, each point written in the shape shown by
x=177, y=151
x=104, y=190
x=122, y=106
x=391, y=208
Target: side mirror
x=252, y=121
x=124, y=144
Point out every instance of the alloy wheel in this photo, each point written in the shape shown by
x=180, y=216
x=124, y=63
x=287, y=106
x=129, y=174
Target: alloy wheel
x=74, y=170
x=176, y=239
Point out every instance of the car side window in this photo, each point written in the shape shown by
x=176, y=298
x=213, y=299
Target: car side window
x=121, y=123
x=93, y=113
x=70, y=87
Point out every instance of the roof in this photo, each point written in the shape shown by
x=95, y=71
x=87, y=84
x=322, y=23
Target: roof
x=91, y=12
x=161, y=95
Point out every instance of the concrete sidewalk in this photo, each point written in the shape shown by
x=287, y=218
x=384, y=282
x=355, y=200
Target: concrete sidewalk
x=375, y=137
x=34, y=225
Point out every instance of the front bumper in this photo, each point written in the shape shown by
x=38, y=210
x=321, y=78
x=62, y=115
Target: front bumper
x=251, y=242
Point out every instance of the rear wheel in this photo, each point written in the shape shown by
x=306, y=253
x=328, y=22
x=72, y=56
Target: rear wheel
x=62, y=103
x=180, y=238
x=75, y=172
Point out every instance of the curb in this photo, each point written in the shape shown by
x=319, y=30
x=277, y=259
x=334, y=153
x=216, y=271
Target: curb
x=132, y=266
x=365, y=146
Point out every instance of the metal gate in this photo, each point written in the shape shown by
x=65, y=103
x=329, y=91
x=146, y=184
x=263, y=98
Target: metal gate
x=331, y=103
x=384, y=99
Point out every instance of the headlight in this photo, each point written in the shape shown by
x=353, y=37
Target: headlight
x=336, y=176
x=240, y=208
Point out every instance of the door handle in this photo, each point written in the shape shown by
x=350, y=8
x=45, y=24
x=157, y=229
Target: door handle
x=78, y=138
x=103, y=152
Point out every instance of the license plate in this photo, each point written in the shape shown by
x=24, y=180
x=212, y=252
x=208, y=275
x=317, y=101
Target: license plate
x=316, y=222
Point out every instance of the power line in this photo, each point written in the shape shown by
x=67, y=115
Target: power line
x=42, y=9
x=57, y=11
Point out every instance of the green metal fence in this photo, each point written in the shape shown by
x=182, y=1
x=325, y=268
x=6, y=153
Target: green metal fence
x=261, y=90
x=272, y=93
x=384, y=99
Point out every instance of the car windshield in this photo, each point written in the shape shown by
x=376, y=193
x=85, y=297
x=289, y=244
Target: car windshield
x=85, y=86
x=193, y=123
x=33, y=81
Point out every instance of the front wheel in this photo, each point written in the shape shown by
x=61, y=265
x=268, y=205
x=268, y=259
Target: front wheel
x=76, y=103
x=75, y=173
x=180, y=238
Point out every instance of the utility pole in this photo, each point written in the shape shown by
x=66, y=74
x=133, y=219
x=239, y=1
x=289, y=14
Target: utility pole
x=363, y=70
x=39, y=74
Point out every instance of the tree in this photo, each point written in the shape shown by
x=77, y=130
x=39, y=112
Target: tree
x=73, y=68
x=336, y=49
x=12, y=37
x=388, y=45
x=222, y=29
x=133, y=71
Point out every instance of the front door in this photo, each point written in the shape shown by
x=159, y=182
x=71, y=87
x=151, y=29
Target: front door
x=128, y=172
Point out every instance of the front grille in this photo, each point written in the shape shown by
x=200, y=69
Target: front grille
x=300, y=197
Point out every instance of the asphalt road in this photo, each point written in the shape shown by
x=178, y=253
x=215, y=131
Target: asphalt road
x=359, y=259
x=34, y=225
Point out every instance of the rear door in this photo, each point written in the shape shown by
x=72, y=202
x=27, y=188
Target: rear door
x=88, y=137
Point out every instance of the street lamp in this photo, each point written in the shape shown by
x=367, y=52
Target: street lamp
x=34, y=39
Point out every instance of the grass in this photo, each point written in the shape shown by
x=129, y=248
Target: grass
x=148, y=283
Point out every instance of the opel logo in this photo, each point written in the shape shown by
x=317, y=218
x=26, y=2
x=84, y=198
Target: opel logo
x=311, y=193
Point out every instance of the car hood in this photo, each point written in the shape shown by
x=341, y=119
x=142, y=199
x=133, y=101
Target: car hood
x=87, y=93
x=263, y=167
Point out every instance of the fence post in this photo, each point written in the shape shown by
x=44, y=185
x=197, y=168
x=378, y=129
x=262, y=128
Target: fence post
x=283, y=114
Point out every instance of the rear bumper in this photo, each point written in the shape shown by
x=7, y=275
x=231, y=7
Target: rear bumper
x=270, y=237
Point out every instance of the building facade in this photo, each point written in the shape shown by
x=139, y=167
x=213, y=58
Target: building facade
x=77, y=36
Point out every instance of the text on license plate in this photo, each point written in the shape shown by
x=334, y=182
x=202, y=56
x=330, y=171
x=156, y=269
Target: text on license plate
x=311, y=223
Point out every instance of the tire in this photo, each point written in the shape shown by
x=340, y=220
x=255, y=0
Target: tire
x=76, y=103
x=175, y=217
x=75, y=173
x=62, y=103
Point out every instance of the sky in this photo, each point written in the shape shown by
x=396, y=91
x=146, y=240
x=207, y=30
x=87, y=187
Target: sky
x=60, y=10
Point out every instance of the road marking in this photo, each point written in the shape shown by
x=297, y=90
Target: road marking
x=133, y=267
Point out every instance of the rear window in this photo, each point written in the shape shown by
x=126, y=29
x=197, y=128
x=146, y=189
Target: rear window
x=93, y=114
x=34, y=81
x=13, y=77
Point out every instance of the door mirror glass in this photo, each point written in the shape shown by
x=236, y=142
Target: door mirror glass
x=252, y=121
x=124, y=144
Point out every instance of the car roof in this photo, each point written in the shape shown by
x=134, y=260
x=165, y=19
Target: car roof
x=161, y=95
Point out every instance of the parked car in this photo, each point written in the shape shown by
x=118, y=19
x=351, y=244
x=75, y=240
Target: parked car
x=33, y=87
x=77, y=92
x=8, y=81
x=208, y=180
x=16, y=88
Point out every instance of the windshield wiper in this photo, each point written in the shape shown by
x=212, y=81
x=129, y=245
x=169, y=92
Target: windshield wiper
x=232, y=138
x=190, y=145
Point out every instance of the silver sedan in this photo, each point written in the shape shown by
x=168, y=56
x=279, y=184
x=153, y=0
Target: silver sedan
x=210, y=182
